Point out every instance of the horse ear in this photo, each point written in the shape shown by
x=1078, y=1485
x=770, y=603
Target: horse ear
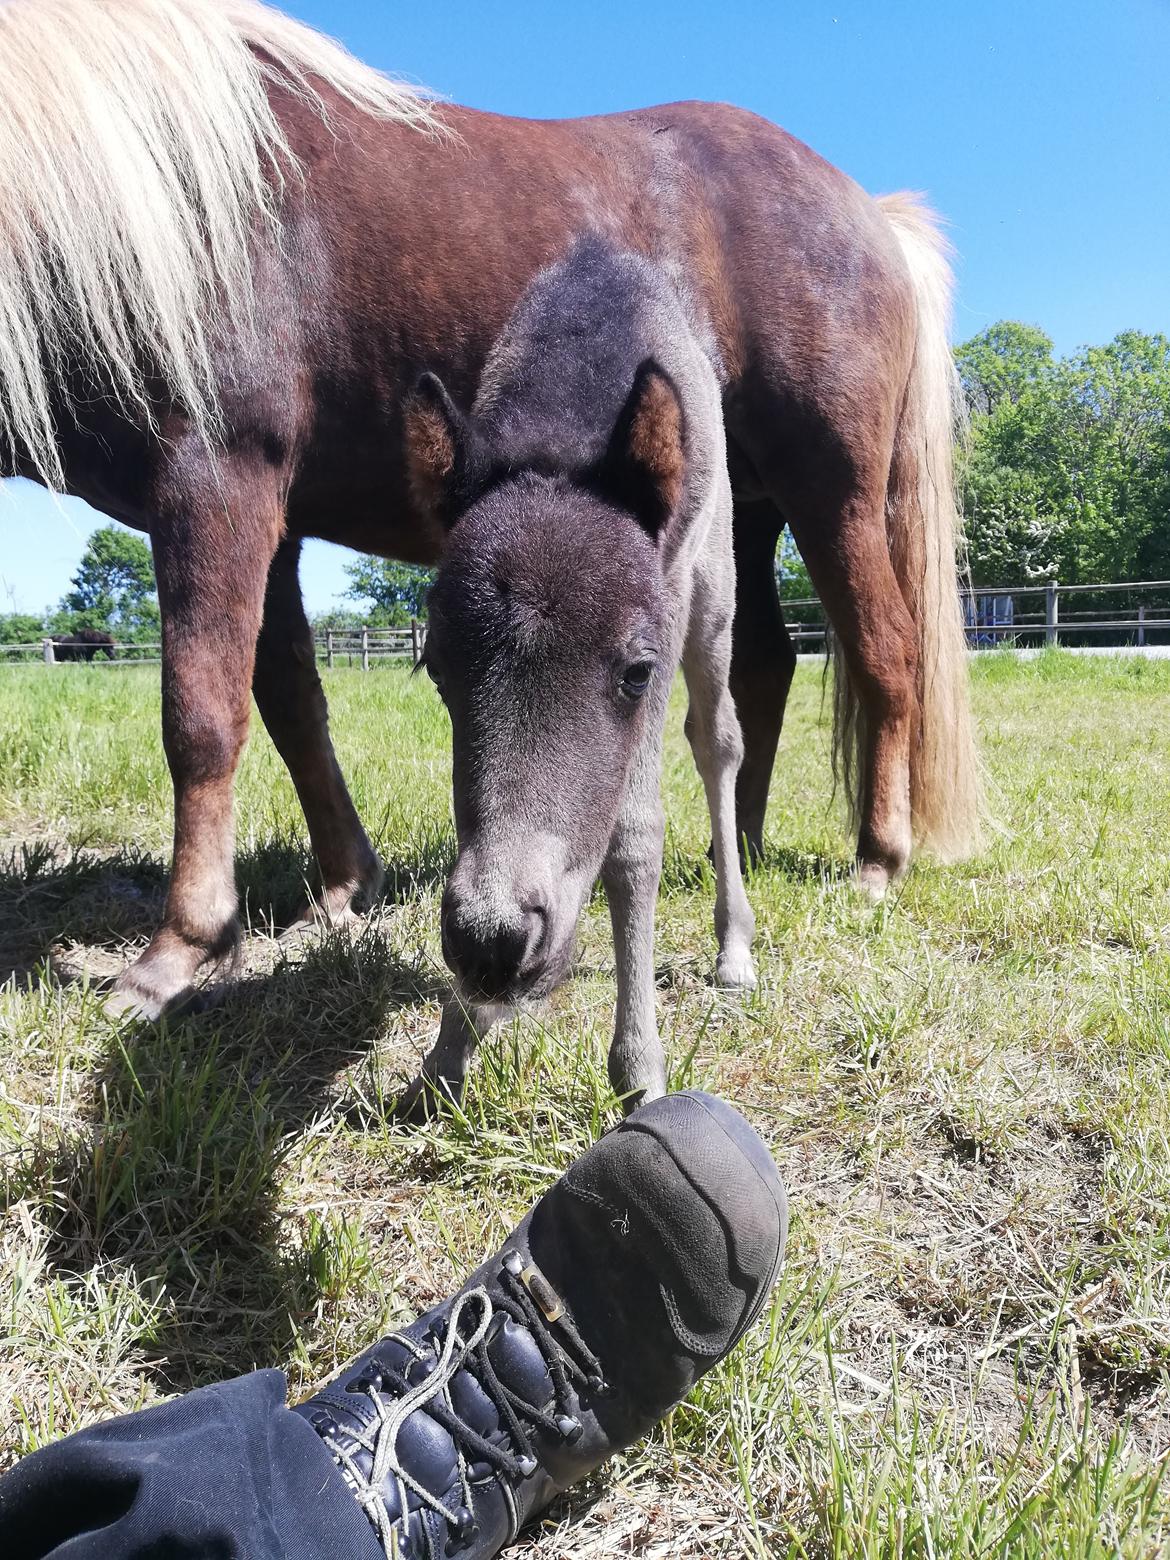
x=438, y=438
x=646, y=462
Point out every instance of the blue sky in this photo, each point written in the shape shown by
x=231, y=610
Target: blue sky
x=1040, y=128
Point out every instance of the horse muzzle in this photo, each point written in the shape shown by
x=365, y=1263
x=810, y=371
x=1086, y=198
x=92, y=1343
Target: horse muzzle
x=504, y=942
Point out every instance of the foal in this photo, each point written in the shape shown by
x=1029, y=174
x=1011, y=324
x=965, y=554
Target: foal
x=588, y=512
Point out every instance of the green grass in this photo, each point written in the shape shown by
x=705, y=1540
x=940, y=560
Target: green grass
x=968, y=1089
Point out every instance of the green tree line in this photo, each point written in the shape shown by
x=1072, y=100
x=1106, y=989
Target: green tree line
x=113, y=590
x=1065, y=472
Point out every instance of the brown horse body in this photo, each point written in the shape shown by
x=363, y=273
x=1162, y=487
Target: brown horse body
x=402, y=251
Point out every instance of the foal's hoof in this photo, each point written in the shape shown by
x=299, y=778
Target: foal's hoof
x=423, y=1100
x=735, y=972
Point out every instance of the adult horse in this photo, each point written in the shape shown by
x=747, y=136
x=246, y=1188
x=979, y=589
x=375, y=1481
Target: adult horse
x=230, y=250
x=84, y=645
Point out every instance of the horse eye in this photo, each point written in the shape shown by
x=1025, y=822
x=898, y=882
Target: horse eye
x=636, y=678
x=428, y=667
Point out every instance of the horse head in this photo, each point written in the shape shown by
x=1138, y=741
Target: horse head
x=550, y=641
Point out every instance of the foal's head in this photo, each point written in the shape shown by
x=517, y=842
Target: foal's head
x=549, y=642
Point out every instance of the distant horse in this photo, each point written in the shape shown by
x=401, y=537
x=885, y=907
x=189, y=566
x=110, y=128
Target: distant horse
x=83, y=645
x=589, y=512
x=230, y=251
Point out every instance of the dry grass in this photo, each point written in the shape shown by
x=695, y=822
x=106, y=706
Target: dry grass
x=967, y=1090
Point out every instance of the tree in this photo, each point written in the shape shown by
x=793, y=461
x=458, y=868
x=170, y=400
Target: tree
x=398, y=591
x=114, y=587
x=792, y=577
x=1067, y=470
x=20, y=628
x=1003, y=363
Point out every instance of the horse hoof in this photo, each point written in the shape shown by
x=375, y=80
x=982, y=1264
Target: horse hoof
x=422, y=1101
x=125, y=1005
x=316, y=923
x=736, y=972
x=872, y=880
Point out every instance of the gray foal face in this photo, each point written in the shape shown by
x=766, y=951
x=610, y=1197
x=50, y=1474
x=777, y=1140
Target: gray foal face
x=546, y=629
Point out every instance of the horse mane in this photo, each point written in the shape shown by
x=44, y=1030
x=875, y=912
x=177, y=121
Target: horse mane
x=138, y=153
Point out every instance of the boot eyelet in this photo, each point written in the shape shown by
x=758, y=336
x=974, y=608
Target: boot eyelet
x=466, y=1530
x=419, y=1370
x=527, y=1466
x=600, y=1388
x=364, y=1382
x=514, y=1263
x=569, y=1428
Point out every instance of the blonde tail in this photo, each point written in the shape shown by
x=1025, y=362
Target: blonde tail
x=925, y=534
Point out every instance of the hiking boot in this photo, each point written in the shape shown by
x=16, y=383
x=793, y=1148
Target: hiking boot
x=638, y=1271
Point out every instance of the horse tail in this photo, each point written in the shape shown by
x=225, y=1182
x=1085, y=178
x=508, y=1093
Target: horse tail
x=139, y=156
x=924, y=528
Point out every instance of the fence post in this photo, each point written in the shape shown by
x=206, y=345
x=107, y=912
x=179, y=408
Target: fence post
x=49, y=654
x=329, y=649
x=1051, y=613
x=365, y=649
x=415, y=647
x=1142, y=624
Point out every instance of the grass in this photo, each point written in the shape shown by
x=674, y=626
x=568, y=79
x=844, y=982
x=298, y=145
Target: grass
x=968, y=1090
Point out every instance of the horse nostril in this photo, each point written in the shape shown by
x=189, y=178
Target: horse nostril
x=536, y=922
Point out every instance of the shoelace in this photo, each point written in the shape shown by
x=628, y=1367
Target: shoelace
x=394, y=1400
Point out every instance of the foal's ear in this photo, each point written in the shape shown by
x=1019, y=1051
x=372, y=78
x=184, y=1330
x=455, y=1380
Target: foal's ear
x=438, y=438
x=646, y=461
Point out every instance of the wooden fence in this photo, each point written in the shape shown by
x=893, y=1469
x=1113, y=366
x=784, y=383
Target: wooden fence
x=61, y=655
x=361, y=646
x=1106, y=617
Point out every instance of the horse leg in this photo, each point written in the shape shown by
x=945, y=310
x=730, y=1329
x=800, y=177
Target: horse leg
x=847, y=554
x=763, y=661
x=217, y=527
x=713, y=732
x=292, y=705
x=630, y=873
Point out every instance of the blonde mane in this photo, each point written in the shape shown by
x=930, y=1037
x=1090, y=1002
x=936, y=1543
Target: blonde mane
x=137, y=150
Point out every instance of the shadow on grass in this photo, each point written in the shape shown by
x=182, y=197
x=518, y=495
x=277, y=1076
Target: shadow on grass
x=178, y=1172
x=48, y=895
x=52, y=895
x=683, y=873
x=802, y=866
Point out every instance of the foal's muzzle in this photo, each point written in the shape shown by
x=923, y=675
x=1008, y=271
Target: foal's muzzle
x=500, y=951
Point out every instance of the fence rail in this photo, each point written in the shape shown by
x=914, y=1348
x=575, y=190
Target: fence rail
x=1119, y=615
x=129, y=654
x=371, y=644
x=1113, y=616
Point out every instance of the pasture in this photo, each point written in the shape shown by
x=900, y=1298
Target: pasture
x=968, y=1090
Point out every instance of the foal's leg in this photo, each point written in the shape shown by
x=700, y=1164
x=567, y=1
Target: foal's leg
x=217, y=526
x=445, y=1066
x=292, y=704
x=631, y=871
x=713, y=731
x=762, y=663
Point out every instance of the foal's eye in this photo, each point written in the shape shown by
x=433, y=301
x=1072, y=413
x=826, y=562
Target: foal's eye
x=636, y=678
x=433, y=675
